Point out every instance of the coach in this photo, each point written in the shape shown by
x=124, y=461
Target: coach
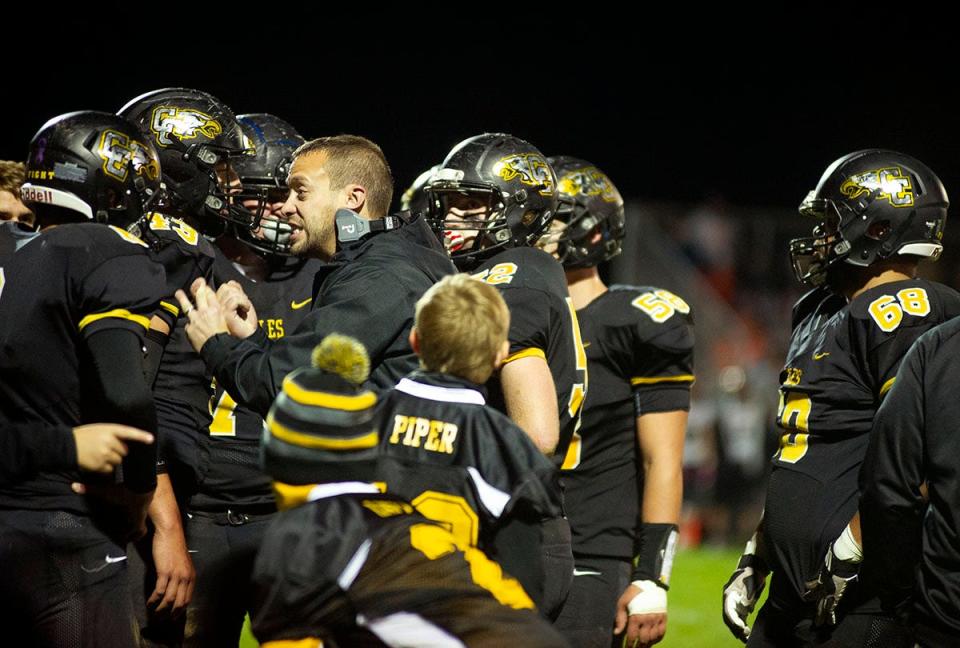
x=367, y=289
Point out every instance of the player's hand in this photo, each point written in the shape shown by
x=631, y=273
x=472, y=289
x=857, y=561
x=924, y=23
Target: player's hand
x=126, y=511
x=175, y=572
x=237, y=310
x=828, y=588
x=204, y=320
x=101, y=447
x=642, y=611
x=742, y=591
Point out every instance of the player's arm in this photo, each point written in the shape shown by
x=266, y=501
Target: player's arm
x=175, y=572
x=531, y=400
x=641, y=609
x=123, y=397
x=28, y=448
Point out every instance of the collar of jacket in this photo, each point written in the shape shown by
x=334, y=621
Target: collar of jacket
x=446, y=381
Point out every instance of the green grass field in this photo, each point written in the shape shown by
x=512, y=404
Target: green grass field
x=694, y=616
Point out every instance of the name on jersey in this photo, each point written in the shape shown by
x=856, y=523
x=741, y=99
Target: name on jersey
x=274, y=328
x=792, y=376
x=429, y=434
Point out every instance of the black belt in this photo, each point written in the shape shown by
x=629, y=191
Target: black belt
x=237, y=516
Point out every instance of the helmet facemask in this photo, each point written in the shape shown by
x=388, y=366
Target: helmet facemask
x=812, y=256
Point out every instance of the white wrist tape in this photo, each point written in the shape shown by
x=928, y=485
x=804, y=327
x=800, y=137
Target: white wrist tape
x=652, y=599
x=846, y=547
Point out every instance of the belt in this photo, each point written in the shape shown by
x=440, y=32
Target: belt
x=236, y=516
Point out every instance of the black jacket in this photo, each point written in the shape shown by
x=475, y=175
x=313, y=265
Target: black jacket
x=368, y=291
x=910, y=541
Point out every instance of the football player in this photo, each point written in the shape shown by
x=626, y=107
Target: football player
x=878, y=213
x=12, y=175
x=75, y=301
x=490, y=201
x=234, y=501
x=414, y=199
x=639, y=343
x=352, y=566
x=198, y=139
x=460, y=461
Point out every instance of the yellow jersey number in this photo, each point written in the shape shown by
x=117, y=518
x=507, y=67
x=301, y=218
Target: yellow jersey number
x=660, y=305
x=161, y=223
x=452, y=512
x=502, y=273
x=577, y=395
x=887, y=311
x=224, y=421
x=793, y=414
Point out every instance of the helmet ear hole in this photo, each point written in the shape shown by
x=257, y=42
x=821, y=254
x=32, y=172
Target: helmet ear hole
x=878, y=230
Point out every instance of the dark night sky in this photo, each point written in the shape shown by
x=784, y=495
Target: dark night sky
x=670, y=115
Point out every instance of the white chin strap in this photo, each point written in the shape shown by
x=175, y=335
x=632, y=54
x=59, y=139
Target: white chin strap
x=31, y=193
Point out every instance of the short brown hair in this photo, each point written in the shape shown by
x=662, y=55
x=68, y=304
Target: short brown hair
x=461, y=323
x=12, y=175
x=355, y=159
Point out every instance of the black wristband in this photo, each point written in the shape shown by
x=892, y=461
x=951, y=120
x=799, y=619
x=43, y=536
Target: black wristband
x=654, y=561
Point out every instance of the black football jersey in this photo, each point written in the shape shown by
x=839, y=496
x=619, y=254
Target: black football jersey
x=464, y=463
x=57, y=288
x=543, y=323
x=231, y=473
x=184, y=253
x=365, y=569
x=182, y=386
x=842, y=360
x=639, y=344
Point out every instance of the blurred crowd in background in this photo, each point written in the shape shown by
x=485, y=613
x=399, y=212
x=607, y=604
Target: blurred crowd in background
x=731, y=263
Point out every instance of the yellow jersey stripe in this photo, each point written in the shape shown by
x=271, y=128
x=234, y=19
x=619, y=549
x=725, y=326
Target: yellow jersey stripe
x=289, y=495
x=170, y=308
x=118, y=313
x=309, y=642
x=886, y=387
x=293, y=437
x=532, y=352
x=347, y=403
x=687, y=378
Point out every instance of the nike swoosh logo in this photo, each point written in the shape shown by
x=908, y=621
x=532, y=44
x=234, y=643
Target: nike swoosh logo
x=586, y=344
x=820, y=356
x=295, y=305
x=585, y=572
x=107, y=560
x=192, y=550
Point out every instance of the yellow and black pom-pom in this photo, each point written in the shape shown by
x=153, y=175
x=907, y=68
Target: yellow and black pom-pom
x=344, y=356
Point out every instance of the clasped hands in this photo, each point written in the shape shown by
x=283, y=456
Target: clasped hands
x=226, y=310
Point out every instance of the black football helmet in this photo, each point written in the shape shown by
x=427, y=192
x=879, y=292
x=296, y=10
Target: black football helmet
x=90, y=166
x=511, y=177
x=263, y=176
x=414, y=199
x=194, y=133
x=592, y=211
x=870, y=205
